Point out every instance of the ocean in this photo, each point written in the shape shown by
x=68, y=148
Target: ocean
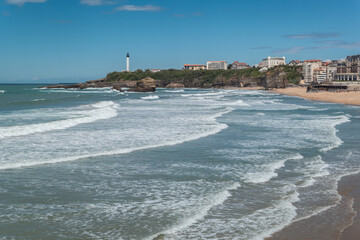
x=174, y=164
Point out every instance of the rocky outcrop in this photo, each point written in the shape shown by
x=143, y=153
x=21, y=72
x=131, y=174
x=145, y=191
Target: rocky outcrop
x=101, y=83
x=147, y=84
x=275, y=78
x=175, y=85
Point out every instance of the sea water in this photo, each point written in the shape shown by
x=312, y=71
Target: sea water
x=174, y=164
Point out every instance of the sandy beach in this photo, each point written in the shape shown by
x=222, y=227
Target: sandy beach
x=352, y=98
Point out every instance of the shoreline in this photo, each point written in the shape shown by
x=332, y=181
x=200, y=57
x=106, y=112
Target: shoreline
x=349, y=188
x=348, y=98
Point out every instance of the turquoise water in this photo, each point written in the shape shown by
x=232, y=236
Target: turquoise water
x=175, y=164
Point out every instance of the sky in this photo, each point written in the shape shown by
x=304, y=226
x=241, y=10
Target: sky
x=52, y=41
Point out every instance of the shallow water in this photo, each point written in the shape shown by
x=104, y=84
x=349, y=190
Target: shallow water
x=177, y=164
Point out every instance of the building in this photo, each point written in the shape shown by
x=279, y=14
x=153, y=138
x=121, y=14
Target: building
x=295, y=63
x=194, y=67
x=308, y=69
x=319, y=75
x=349, y=69
x=273, y=61
x=216, y=65
x=239, y=65
x=155, y=70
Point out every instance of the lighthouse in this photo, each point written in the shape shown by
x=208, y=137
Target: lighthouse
x=128, y=62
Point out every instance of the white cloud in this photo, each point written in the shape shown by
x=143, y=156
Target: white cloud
x=292, y=50
x=22, y=2
x=92, y=2
x=145, y=8
x=313, y=35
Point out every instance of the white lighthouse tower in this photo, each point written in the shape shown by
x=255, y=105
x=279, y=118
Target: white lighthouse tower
x=128, y=62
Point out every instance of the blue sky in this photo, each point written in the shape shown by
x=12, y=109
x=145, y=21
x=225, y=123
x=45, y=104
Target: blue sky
x=79, y=40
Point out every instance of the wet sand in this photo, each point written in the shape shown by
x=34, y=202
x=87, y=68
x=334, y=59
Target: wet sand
x=349, y=187
x=340, y=222
x=352, y=98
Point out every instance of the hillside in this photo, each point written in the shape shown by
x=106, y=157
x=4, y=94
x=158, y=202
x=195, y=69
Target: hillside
x=276, y=77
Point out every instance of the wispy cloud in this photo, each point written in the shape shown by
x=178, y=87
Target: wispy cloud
x=261, y=47
x=291, y=50
x=313, y=35
x=22, y=2
x=331, y=42
x=134, y=8
x=352, y=45
x=97, y=2
x=329, y=45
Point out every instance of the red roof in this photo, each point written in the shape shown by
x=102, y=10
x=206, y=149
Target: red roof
x=193, y=65
x=238, y=63
x=313, y=60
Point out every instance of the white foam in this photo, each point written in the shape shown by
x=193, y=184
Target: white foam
x=213, y=201
x=207, y=94
x=2, y=91
x=284, y=208
x=38, y=99
x=110, y=112
x=175, y=91
x=336, y=141
x=150, y=97
x=98, y=111
x=238, y=103
x=268, y=171
x=83, y=91
x=313, y=169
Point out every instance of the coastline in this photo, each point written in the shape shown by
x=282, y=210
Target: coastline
x=350, y=98
x=349, y=188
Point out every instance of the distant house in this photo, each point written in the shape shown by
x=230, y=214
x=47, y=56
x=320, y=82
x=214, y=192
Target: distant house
x=273, y=61
x=194, y=67
x=155, y=70
x=239, y=65
x=349, y=70
x=216, y=65
x=295, y=63
x=308, y=69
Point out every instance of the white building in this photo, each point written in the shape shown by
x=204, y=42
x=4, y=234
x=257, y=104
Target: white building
x=273, y=61
x=194, y=67
x=308, y=69
x=216, y=65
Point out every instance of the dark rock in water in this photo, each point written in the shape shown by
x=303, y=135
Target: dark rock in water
x=144, y=85
x=64, y=86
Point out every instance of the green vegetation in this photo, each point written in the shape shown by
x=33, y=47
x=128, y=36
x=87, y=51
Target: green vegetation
x=173, y=75
x=293, y=75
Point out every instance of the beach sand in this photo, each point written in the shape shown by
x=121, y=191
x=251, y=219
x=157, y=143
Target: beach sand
x=340, y=222
x=349, y=187
x=352, y=98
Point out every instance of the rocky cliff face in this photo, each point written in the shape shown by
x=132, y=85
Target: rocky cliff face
x=274, y=79
x=144, y=85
